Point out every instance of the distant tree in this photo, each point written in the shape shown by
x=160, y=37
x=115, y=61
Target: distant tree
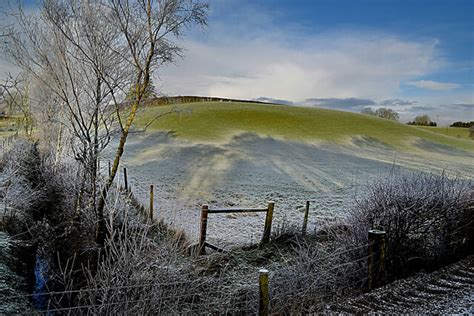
x=462, y=124
x=368, y=111
x=386, y=113
x=381, y=112
x=422, y=120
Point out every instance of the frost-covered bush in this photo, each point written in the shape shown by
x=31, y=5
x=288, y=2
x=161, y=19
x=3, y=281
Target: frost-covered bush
x=21, y=190
x=429, y=219
x=23, y=160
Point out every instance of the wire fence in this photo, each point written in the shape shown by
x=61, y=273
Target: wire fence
x=340, y=271
x=219, y=294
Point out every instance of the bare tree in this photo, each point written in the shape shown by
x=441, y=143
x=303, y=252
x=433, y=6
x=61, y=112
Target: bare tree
x=422, y=120
x=386, y=113
x=63, y=49
x=147, y=28
x=90, y=55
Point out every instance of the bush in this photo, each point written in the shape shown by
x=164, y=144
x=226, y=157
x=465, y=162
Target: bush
x=428, y=219
x=21, y=190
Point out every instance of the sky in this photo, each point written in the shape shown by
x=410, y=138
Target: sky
x=414, y=56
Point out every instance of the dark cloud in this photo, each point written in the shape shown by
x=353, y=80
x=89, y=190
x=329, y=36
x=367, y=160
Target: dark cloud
x=350, y=104
x=397, y=102
x=271, y=100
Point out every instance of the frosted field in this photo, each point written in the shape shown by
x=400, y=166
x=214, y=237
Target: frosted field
x=250, y=170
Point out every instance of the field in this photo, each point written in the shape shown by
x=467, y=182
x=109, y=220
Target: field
x=458, y=132
x=219, y=121
x=235, y=154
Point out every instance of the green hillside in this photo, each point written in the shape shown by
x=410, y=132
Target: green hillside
x=458, y=132
x=218, y=121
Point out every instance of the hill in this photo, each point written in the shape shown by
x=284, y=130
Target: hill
x=458, y=132
x=219, y=121
x=229, y=153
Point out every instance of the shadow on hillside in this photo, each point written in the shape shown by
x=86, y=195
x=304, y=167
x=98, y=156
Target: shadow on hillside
x=252, y=162
x=250, y=170
x=366, y=141
x=262, y=163
x=441, y=149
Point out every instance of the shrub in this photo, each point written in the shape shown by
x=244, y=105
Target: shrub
x=428, y=219
x=21, y=191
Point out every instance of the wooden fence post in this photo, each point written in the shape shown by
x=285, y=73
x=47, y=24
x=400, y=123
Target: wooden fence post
x=125, y=178
x=151, y=202
x=202, y=237
x=376, y=259
x=264, y=302
x=305, y=220
x=268, y=223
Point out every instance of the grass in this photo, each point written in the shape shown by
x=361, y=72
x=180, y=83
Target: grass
x=458, y=132
x=218, y=121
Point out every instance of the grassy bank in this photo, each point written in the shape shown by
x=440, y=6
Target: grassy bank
x=218, y=121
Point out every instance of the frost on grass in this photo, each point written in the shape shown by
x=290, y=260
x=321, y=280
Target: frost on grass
x=428, y=219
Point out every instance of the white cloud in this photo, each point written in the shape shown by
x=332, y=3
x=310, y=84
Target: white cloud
x=291, y=66
x=434, y=85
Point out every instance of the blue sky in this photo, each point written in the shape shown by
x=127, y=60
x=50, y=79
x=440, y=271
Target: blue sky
x=416, y=56
x=450, y=22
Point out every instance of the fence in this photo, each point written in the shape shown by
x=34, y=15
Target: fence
x=205, y=211
x=262, y=291
x=373, y=264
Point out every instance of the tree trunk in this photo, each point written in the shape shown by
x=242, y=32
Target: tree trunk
x=101, y=229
